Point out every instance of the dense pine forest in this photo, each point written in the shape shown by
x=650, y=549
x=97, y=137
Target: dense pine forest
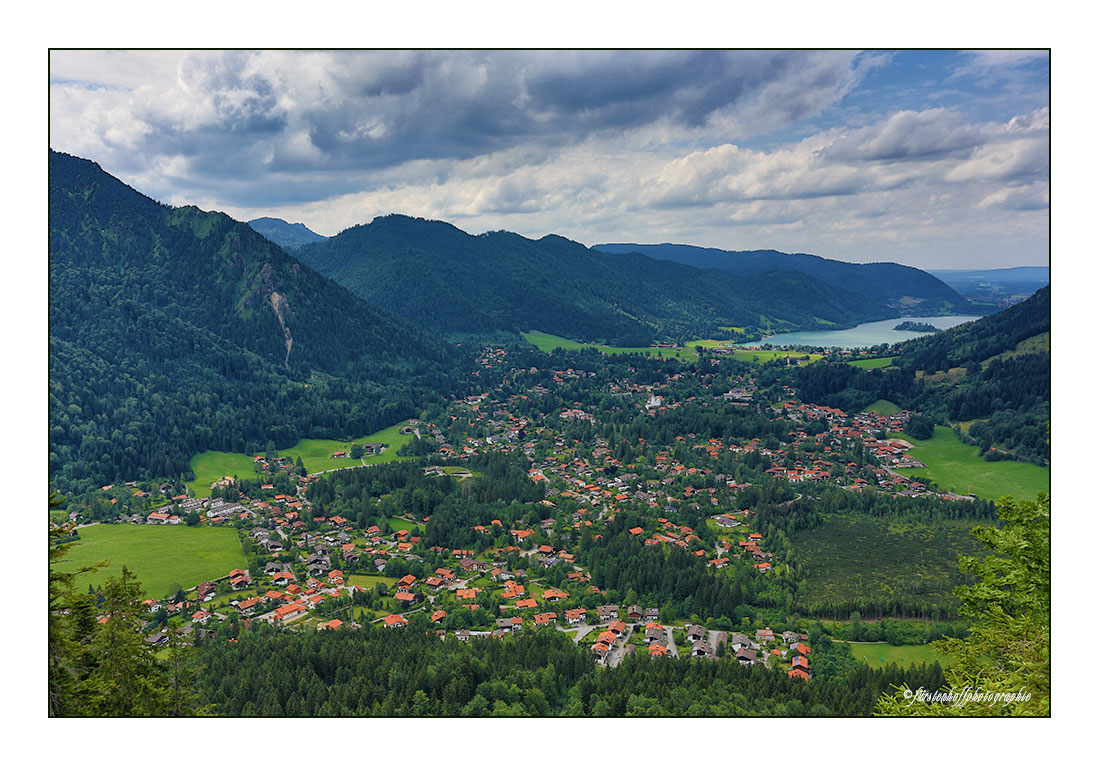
x=381, y=672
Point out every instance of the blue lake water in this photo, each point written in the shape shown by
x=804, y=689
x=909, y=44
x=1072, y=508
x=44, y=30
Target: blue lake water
x=867, y=334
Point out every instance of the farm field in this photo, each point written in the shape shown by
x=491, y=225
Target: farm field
x=159, y=555
x=316, y=455
x=872, y=364
x=853, y=558
x=958, y=467
x=547, y=342
x=747, y=355
x=767, y=355
x=879, y=654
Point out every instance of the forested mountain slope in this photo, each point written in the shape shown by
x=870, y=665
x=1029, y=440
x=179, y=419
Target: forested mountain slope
x=173, y=331
x=445, y=279
x=897, y=285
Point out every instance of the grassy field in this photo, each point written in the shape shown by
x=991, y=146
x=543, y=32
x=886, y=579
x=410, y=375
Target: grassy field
x=370, y=581
x=748, y=355
x=397, y=523
x=856, y=557
x=159, y=555
x=762, y=356
x=316, y=455
x=958, y=467
x=879, y=654
x=547, y=342
x=872, y=364
x=882, y=407
x=212, y=465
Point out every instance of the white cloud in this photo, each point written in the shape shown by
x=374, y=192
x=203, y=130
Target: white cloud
x=671, y=145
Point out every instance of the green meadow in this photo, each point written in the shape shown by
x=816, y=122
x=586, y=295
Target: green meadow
x=213, y=465
x=960, y=468
x=872, y=364
x=748, y=355
x=879, y=654
x=882, y=407
x=397, y=523
x=546, y=342
x=159, y=555
x=316, y=455
x=370, y=581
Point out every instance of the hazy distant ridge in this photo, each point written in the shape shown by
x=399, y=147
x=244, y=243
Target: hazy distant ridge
x=285, y=234
x=895, y=284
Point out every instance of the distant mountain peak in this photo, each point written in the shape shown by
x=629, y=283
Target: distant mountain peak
x=285, y=234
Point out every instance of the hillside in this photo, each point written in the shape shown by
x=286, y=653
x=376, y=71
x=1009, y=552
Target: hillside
x=972, y=343
x=173, y=331
x=444, y=279
x=284, y=234
x=901, y=287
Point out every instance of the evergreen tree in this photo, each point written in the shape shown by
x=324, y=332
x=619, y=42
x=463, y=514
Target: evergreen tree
x=127, y=680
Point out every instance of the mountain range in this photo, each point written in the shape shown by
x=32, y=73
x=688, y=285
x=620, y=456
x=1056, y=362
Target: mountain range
x=904, y=288
x=173, y=331
x=447, y=280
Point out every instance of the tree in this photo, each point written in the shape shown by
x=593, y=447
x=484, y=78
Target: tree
x=182, y=671
x=1008, y=647
x=127, y=680
x=66, y=628
x=104, y=666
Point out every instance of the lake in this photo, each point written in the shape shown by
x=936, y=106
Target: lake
x=867, y=334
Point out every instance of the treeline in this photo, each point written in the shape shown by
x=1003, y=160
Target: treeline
x=818, y=503
x=398, y=673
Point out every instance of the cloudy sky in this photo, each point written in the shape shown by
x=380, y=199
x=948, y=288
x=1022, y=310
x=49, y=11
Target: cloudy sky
x=939, y=159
